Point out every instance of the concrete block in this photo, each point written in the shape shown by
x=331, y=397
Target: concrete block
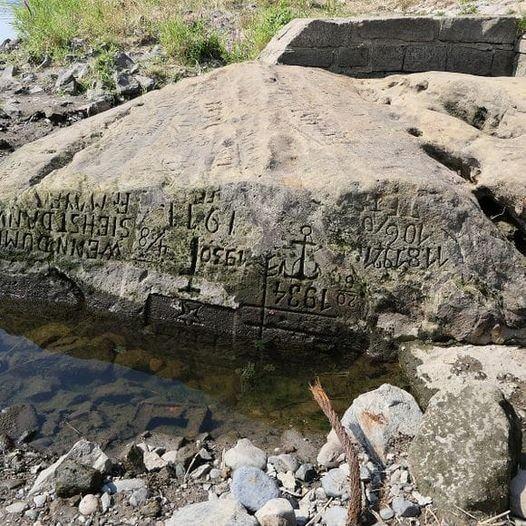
x=502, y=65
x=493, y=30
x=349, y=57
x=316, y=58
x=408, y=29
x=319, y=33
x=426, y=57
x=466, y=59
x=387, y=57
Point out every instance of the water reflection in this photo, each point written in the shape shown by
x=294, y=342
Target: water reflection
x=6, y=19
x=109, y=382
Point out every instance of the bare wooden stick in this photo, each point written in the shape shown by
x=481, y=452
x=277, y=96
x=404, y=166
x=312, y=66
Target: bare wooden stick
x=351, y=454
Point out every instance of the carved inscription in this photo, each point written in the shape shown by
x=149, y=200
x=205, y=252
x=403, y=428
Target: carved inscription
x=67, y=224
x=397, y=238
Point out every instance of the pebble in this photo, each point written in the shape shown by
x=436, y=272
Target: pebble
x=276, y=512
x=40, y=500
x=105, y=502
x=334, y=482
x=284, y=462
x=306, y=473
x=16, y=507
x=287, y=480
x=405, y=508
x=387, y=513
x=245, y=454
x=153, y=462
x=335, y=516
x=89, y=504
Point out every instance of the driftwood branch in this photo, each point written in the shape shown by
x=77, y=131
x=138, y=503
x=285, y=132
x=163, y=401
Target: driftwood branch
x=351, y=454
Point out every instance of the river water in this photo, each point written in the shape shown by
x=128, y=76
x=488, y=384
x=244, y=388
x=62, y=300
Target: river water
x=6, y=28
x=110, y=381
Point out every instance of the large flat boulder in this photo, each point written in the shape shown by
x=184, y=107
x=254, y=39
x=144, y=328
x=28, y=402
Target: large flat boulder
x=277, y=203
x=466, y=452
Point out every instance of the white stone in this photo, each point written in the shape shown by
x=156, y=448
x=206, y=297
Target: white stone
x=153, y=462
x=117, y=486
x=245, y=454
x=170, y=457
x=335, y=516
x=89, y=504
x=276, y=512
x=16, y=507
x=335, y=483
x=377, y=417
x=105, y=502
x=329, y=454
x=40, y=500
x=288, y=480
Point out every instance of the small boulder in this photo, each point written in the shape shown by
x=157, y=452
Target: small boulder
x=379, y=417
x=329, y=454
x=253, y=488
x=219, y=512
x=73, y=478
x=276, y=512
x=518, y=494
x=83, y=452
x=245, y=454
x=466, y=450
x=126, y=85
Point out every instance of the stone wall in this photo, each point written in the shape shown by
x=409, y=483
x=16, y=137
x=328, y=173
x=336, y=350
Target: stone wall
x=488, y=46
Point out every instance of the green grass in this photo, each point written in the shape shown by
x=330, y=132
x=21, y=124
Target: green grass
x=522, y=24
x=184, y=27
x=191, y=42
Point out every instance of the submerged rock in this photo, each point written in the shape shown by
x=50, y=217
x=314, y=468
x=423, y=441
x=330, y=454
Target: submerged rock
x=309, y=213
x=466, y=451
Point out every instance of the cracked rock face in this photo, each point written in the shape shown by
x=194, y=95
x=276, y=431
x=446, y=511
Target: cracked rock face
x=283, y=204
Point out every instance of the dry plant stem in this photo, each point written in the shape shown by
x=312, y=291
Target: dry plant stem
x=355, y=493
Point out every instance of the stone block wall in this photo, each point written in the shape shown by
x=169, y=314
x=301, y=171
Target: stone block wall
x=359, y=47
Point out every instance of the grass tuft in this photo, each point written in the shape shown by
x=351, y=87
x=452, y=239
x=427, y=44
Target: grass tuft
x=191, y=42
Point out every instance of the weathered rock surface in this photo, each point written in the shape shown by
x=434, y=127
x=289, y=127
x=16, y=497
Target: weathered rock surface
x=222, y=512
x=518, y=494
x=74, y=478
x=283, y=204
x=466, y=451
x=432, y=368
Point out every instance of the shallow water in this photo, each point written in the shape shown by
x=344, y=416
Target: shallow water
x=110, y=381
x=6, y=19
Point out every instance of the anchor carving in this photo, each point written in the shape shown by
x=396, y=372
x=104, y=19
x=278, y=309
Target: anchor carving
x=301, y=269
